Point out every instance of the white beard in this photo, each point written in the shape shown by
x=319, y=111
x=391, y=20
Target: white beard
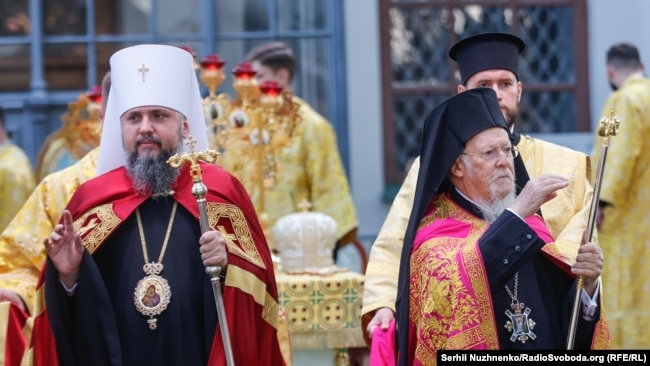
x=492, y=210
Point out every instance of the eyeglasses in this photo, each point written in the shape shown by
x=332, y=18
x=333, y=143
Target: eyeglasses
x=510, y=152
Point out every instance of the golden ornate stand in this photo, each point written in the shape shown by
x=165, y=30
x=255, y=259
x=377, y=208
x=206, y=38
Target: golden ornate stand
x=256, y=125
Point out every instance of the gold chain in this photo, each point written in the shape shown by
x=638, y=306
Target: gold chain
x=514, y=298
x=169, y=230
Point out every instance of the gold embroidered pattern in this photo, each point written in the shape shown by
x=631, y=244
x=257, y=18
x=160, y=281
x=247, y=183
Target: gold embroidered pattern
x=450, y=315
x=95, y=225
x=440, y=211
x=242, y=243
x=39, y=301
x=250, y=284
x=474, y=267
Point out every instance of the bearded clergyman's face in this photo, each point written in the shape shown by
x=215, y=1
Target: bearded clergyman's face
x=487, y=179
x=507, y=87
x=152, y=129
x=151, y=135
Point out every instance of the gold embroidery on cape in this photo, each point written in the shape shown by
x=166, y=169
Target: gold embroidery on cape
x=440, y=211
x=475, y=271
x=455, y=306
x=554, y=251
x=95, y=225
x=39, y=301
x=250, y=284
x=240, y=243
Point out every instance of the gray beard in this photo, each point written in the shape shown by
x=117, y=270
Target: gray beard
x=152, y=174
x=492, y=210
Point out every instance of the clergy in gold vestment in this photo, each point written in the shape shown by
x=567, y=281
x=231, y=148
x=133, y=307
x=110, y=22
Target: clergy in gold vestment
x=624, y=197
x=21, y=243
x=22, y=253
x=16, y=181
x=310, y=167
x=16, y=177
x=486, y=60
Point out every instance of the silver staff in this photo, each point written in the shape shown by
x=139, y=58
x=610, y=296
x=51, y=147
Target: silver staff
x=199, y=191
x=608, y=127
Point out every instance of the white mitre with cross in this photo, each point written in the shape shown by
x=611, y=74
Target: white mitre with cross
x=149, y=75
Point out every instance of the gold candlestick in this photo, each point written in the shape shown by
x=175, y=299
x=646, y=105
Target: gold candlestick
x=254, y=126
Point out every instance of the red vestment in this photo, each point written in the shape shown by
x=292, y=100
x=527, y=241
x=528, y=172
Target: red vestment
x=102, y=204
x=451, y=301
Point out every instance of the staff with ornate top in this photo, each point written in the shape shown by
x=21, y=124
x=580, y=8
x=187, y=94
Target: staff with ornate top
x=608, y=126
x=199, y=190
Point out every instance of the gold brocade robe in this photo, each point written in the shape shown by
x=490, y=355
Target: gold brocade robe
x=566, y=216
x=21, y=244
x=452, y=305
x=625, y=234
x=16, y=181
x=309, y=168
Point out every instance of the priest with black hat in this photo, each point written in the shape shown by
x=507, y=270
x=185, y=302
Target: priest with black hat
x=479, y=268
x=487, y=60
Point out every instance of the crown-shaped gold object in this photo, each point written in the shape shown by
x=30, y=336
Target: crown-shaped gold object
x=305, y=241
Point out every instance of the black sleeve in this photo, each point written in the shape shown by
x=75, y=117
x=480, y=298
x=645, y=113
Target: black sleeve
x=60, y=309
x=83, y=337
x=505, y=246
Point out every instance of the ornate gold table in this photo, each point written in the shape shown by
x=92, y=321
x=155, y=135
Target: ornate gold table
x=323, y=312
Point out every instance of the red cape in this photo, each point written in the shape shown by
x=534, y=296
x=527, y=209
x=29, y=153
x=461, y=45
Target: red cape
x=13, y=320
x=251, y=306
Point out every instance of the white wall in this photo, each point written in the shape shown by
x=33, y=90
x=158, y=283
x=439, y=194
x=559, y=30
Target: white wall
x=364, y=114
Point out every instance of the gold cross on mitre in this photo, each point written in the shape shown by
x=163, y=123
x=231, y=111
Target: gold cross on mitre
x=143, y=69
x=177, y=161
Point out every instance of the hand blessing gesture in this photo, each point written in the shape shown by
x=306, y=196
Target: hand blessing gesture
x=536, y=192
x=65, y=249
